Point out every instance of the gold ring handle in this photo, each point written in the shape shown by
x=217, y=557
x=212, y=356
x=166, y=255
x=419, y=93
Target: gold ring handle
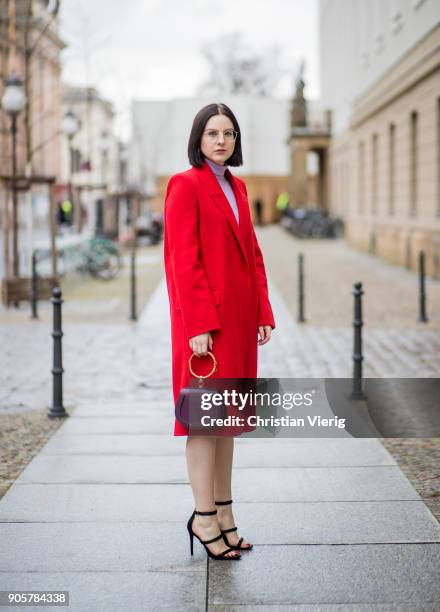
x=214, y=367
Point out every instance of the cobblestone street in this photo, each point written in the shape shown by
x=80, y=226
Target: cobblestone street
x=331, y=268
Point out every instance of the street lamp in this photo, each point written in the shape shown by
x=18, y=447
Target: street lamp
x=13, y=102
x=70, y=125
x=122, y=212
x=104, y=146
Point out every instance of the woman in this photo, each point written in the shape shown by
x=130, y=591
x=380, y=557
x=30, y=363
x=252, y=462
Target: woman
x=218, y=296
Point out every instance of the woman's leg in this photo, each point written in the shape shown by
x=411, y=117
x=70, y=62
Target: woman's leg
x=200, y=457
x=224, y=453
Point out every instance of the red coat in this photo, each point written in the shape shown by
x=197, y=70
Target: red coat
x=215, y=276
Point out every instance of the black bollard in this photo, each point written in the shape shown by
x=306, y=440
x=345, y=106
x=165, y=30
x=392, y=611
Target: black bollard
x=422, y=294
x=57, y=408
x=301, y=318
x=34, y=287
x=357, y=392
x=133, y=315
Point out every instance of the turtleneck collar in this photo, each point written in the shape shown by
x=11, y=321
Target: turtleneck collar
x=216, y=168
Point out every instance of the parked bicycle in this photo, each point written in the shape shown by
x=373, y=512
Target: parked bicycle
x=312, y=223
x=101, y=258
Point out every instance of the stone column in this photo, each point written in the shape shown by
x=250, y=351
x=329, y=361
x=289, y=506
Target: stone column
x=298, y=173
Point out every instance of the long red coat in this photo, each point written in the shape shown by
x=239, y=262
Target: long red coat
x=215, y=276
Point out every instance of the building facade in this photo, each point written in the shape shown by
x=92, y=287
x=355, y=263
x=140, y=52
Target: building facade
x=381, y=81
x=30, y=48
x=90, y=161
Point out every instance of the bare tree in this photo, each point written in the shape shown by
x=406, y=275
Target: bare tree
x=235, y=68
x=84, y=43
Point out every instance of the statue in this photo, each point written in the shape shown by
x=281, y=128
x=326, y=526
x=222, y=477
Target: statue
x=298, y=115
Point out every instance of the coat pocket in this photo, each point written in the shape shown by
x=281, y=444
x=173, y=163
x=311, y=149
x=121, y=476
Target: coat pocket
x=215, y=297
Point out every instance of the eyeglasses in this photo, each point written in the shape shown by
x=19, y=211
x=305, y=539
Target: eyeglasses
x=229, y=135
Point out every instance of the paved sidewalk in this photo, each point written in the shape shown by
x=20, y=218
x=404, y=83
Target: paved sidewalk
x=102, y=510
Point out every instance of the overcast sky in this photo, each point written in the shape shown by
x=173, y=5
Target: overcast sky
x=150, y=49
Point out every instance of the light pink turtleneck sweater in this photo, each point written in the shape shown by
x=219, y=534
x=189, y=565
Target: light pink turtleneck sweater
x=219, y=172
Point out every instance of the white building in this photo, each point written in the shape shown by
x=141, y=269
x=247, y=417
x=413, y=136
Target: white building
x=94, y=168
x=376, y=35
x=380, y=76
x=161, y=129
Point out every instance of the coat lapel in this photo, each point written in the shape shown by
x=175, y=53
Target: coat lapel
x=209, y=181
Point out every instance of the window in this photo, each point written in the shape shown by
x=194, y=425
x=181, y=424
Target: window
x=76, y=160
x=374, y=155
x=361, y=171
x=391, y=168
x=413, y=163
x=438, y=157
x=378, y=23
x=396, y=16
x=345, y=187
x=379, y=43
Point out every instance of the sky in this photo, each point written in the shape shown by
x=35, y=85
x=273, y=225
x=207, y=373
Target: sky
x=151, y=49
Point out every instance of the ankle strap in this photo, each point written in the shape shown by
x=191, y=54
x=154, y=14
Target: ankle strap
x=223, y=503
x=206, y=513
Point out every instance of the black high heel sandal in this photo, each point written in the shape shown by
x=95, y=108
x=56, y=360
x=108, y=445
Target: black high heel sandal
x=237, y=546
x=220, y=556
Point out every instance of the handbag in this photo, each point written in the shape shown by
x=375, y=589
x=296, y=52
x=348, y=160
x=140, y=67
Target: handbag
x=189, y=409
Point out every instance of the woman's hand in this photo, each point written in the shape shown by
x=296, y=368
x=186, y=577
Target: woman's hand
x=264, y=332
x=201, y=344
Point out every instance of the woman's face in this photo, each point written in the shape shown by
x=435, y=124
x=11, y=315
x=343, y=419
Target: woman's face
x=217, y=147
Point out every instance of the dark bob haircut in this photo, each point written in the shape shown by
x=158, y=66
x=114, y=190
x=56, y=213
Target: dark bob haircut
x=195, y=155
